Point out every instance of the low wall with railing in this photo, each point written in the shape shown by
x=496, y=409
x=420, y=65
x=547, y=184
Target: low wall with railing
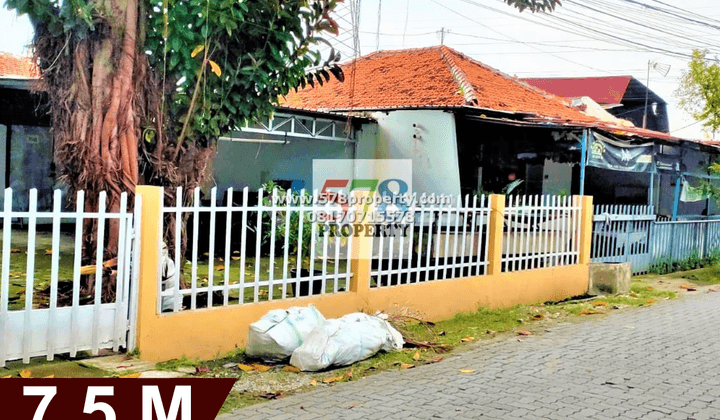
x=470, y=265
x=632, y=234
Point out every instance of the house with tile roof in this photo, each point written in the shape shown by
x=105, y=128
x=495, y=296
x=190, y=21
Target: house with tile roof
x=466, y=127
x=621, y=96
x=469, y=127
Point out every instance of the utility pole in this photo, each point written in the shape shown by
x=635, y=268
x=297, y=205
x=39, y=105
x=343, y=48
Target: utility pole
x=377, y=34
x=647, y=94
x=442, y=32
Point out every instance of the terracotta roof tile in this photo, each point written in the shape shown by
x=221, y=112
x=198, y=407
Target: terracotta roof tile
x=427, y=78
x=15, y=66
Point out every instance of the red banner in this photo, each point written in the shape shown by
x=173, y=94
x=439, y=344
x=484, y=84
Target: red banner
x=113, y=399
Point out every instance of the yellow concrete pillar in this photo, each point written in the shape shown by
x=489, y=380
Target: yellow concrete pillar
x=586, y=226
x=495, y=240
x=361, y=263
x=149, y=273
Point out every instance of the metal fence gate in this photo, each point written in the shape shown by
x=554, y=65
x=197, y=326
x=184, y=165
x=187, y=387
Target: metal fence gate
x=42, y=309
x=632, y=234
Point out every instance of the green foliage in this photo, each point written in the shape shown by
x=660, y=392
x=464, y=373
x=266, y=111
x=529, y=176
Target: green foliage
x=173, y=364
x=667, y=265
x=699, y=91
x=257, y=50
x=296, y=198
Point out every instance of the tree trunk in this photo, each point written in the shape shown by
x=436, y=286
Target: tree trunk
x=95, y=115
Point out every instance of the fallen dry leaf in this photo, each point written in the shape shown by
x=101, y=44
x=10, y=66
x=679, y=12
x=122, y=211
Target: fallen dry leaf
x=110, y=263
x=523, y=332
x=466, y=339
x=650, y=301
x=235, y=258
x=261, y=368
x=291, y=369
x=599, y=303
x=333, y=379
x=313, y=382
x=25, y=374
x=490, y=332
x=246, y=368
x=48, y=377
x=220, y=268
x=407, y=365
x=132, y=375
x=538, y=317
x=436, y=360
x=633, y=294
x=688, y=287
x=416, y=356
x=48, y=252
x=467, y=370
x=6, y=377
x=588, y=312
x=650, y=288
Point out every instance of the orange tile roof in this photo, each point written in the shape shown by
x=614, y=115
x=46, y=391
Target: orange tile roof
x=17, y=67
x=427, y=78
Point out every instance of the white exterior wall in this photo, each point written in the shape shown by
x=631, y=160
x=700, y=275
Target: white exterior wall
x=433, y=150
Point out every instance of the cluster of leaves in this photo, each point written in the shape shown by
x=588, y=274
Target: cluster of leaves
x=699, y=91
x=226, y=62
x=534, y=5
x=58, y=17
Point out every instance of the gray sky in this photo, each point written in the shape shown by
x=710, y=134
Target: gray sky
x=581, y=38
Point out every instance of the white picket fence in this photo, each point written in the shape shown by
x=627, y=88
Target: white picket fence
x=74, y=323
x=283, y=265
x=442, y=241
x=540, y=232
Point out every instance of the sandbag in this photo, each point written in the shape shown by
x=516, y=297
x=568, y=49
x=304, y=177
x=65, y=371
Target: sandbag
x=274, y=337
x=344, y=341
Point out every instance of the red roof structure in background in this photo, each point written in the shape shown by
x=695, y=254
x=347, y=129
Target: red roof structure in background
x=12, y=66
x=603, y=90
x=434, y=77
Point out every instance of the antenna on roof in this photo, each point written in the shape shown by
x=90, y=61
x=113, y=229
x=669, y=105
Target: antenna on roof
x=663, y=69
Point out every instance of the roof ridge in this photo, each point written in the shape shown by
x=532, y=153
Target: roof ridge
x=466, y=88
x=514, y=79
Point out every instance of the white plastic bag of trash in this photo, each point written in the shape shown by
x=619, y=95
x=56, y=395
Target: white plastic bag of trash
x=344, y=341
x=277, y=334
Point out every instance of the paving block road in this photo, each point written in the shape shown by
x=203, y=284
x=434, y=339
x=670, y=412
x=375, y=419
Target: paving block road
x=657, y=362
